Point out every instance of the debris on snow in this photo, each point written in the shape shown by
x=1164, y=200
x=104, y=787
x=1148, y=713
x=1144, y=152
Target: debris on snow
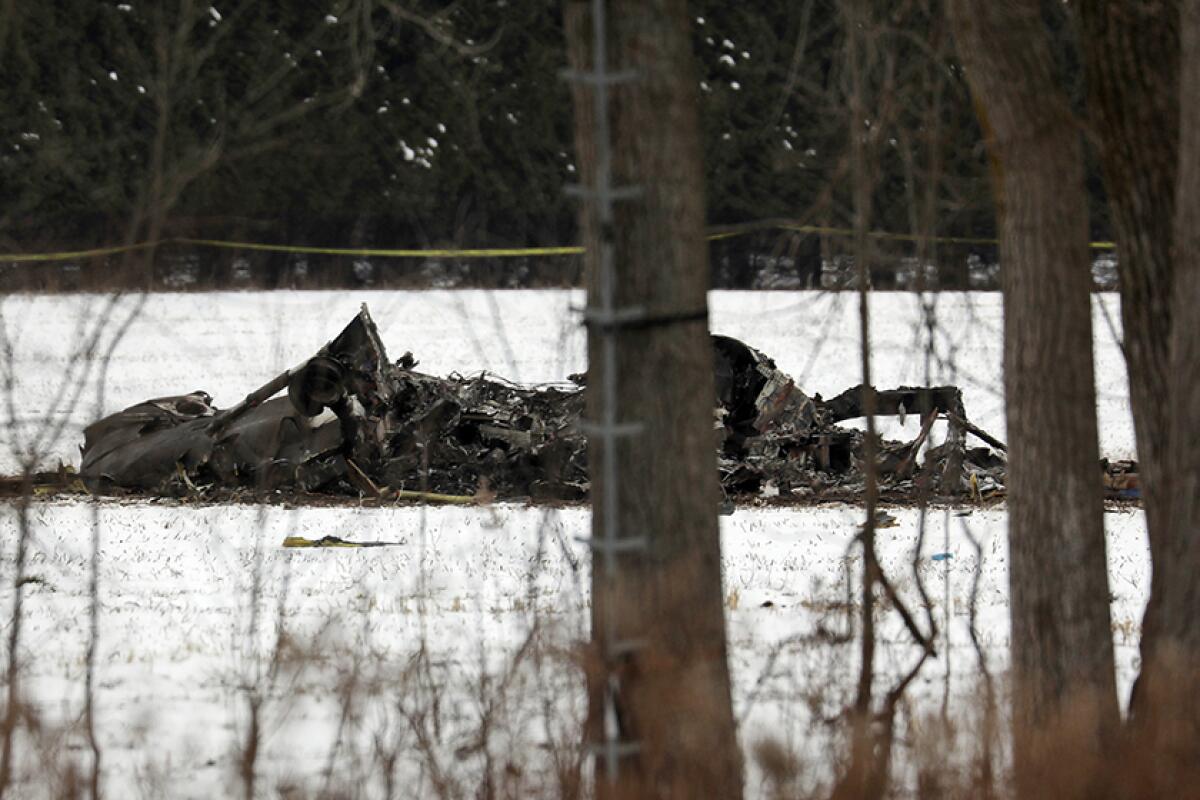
x=353, y=423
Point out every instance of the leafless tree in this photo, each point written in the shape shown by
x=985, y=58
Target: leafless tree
x=1064, y=695
x=670, y=692
x=1141, y=69
x=1164, y=725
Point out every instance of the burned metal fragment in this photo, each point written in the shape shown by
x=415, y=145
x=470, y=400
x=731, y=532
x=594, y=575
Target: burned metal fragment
x=354, y=423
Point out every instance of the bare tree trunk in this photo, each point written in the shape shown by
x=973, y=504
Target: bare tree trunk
x=1143, y=78
x=1064, y=694
x=1131, y=53
x=661, y=673
x=1165, y=712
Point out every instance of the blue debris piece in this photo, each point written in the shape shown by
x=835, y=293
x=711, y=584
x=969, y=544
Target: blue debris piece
x=941, y=556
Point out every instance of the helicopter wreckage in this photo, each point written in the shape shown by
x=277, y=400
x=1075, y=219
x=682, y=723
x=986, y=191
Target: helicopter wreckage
x=351, y=422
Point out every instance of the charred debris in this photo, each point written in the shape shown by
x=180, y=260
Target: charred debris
x=350, y=422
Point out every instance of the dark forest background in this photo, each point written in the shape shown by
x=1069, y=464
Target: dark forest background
x=372, y=124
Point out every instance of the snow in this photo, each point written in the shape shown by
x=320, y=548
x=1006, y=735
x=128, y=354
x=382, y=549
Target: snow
x=422, y=636
x=179, y=647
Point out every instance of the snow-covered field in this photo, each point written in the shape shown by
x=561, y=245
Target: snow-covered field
x=391, y=661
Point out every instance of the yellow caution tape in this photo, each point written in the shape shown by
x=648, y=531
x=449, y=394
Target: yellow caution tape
x=898, y=237
x=489, y=252
x=823, y=230
x=77, y=254
x=494, y=252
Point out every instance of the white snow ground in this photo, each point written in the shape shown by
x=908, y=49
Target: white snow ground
x=431, y=638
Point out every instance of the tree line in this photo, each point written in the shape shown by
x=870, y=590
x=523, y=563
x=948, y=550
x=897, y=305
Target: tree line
x=371, y=123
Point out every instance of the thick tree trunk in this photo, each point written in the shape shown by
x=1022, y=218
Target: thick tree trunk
x=1131, y=54
x=1165, y=713
x=1064, y=695
x=1142, y=83
x=670, y=690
